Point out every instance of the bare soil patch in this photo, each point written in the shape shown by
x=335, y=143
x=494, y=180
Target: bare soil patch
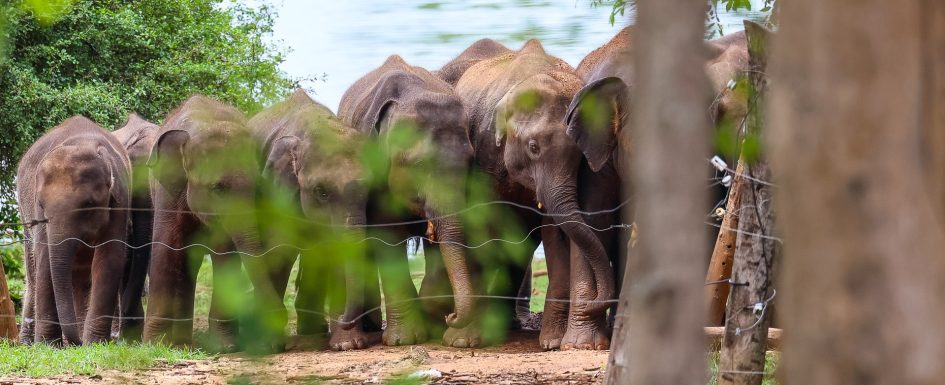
x=518, y=361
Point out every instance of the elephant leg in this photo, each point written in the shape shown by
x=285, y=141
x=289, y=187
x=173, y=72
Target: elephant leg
x=310, y=296
x=523, y=303
x=436, y=293
x=586, y=330
x=269, y=275
x=48, y=329
x=169, y=316
x=28, y=328
x=405, y=323
x=554, y=321
x=108, y=261
x=349, y=336
x=223, y=321
x=82, y=287
x=136, y=270
x=372, y=321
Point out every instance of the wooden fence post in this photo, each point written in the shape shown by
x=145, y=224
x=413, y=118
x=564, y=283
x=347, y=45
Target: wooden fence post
x=7, y=311
x=742, y=357
x=720, y=265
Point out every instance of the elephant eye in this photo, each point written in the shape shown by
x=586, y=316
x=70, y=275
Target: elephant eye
x=217, y=187
x=533, y=147
x=321, y=192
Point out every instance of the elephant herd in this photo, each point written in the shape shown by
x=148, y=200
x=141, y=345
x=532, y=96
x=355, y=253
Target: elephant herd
x=514, y=145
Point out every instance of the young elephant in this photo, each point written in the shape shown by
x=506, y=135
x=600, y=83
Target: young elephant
x=204, y=170
x=423, y=127
x=137, y=136
x=517, y=105
x=73, y=188
x=311, y=159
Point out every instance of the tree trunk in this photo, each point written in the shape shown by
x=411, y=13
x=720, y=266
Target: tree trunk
x=664, y=281
x=850, y=115
x=7, y=313
x=742, y=358
x=720, y=265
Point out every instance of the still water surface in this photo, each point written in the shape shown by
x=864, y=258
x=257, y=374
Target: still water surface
x=344, y=39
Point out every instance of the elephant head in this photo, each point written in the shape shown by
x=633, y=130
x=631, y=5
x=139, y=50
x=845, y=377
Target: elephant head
x=206, y=155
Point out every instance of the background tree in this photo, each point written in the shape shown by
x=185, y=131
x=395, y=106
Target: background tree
x=106, y=58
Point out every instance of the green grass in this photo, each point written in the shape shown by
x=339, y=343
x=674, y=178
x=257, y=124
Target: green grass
x=43, y=361
x=771, y=365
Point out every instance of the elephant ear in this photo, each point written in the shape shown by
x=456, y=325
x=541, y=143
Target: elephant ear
x=595, y=118
x=167, y=160
x=500, y=117
x=282, y=162
x=108, y=158
x=388, y=91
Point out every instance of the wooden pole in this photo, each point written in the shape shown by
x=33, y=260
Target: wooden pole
x=662, y=296
x=742, y=357
x=861, y=216
x=7, y=312
x=720, y=265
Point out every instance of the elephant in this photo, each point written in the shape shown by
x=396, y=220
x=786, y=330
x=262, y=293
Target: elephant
x=609, y=74
x=137, y=136
x=420, y=182
x=204, y=170
x=480, y=50
x=73, y=190
x=517, y=104
x=312, y=157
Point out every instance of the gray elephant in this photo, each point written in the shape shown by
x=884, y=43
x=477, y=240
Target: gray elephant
x=73, y=191
x=311, y=160
x=137, y=136
x=204, y=170
x=517, y=105
x=422, y=127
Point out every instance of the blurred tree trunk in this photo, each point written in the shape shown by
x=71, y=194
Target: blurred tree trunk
x=665, y=342
x=7, y=312
x=857, y=150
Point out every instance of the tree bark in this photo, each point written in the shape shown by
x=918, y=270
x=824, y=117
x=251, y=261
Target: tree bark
x=863, y=270
x=7, y=313
x=720, y=265
x=664, y=280
x=742, y=357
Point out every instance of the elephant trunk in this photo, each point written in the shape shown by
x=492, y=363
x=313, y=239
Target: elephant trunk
x=449, y=234
x=61, y=257
x=561, y=201
x=354, y=267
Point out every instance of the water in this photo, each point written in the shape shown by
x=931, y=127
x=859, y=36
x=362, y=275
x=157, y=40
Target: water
x=344, y=39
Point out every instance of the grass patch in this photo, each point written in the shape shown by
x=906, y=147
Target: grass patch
x=43, y=361
x=772, y=359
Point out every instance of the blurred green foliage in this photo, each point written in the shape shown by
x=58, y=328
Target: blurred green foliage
x=106, y=58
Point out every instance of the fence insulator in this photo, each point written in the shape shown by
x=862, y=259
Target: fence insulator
x=719, y=163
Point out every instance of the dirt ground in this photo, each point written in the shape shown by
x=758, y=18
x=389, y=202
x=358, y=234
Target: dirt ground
x=519, y=361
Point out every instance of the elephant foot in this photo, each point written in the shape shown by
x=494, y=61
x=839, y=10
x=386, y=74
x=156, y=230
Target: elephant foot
x=27, y=332
x=588, y=335
x=551, y=335
x=351, y=339
x=306, y=342
x=467, y=337
x=225, y=333
x=404, y=331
